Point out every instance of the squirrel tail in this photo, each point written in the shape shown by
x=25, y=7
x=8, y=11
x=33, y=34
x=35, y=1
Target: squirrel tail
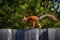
x=49, y=16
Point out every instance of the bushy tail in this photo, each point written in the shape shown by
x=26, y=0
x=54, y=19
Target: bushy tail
x=48, y=16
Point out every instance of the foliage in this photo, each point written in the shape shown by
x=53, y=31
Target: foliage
x=11, y=12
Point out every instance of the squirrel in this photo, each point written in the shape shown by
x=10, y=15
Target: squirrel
x=34, y=20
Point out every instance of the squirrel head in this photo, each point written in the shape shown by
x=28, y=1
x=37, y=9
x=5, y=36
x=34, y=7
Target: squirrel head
x=24, y=18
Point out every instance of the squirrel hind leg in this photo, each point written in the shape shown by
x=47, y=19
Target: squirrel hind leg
x=39, y=26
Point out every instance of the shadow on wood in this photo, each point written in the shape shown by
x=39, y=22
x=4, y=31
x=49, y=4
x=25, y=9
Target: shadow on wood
x=43, y=34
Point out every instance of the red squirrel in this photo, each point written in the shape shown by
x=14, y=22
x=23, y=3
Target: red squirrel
x=34, y=20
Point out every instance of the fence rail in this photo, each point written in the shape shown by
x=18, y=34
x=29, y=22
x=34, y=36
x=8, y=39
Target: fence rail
x=30, y=34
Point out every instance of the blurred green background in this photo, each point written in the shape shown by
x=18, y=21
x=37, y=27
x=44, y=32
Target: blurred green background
x=11, y=12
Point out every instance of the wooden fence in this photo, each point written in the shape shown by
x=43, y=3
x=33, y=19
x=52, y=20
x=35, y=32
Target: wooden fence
x=30, y=34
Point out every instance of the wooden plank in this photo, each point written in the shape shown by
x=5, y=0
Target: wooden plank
x=5, y=34
x=32, y=34
x=27, y=36
x=14, y=34
x=9, y=34
x=57, y=33
x=43, y=34
x=37, y=34
x=19, y=35
x=52, y=34
x=1, y=33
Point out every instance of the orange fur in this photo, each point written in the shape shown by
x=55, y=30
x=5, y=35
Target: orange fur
x=32, y=21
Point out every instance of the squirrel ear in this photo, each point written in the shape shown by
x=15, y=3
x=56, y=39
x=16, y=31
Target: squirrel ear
x=24, y=16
